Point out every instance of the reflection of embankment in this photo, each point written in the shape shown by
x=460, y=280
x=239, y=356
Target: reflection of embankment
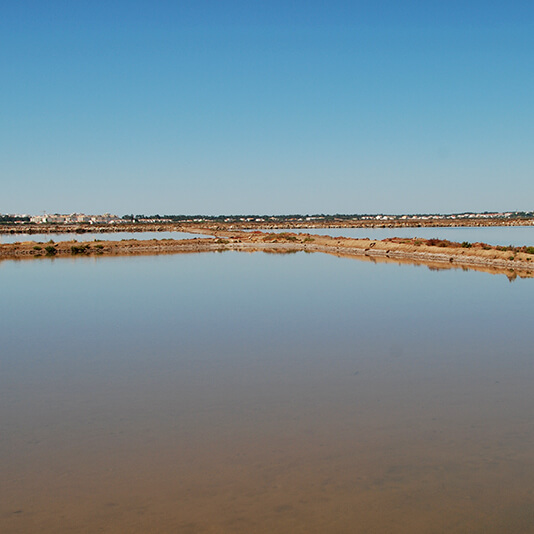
x=441, y=266
x=432, y=253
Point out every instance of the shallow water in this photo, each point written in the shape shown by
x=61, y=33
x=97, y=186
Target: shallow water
x=97, y=236
x=516, y=236
x=263, y=393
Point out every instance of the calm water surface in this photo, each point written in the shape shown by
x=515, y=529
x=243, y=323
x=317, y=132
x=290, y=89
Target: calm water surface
x=493, y=235
x=239, y=393
x=89, y=236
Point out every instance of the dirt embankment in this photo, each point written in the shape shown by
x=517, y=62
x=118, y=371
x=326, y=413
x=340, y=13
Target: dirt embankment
x=433, y=253
x=196, y=227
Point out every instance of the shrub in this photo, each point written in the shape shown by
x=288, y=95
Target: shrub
x=50, y=250
x=271, y=237
x=78, y=249
x=287, y=237
x=466, y=244
x=442, y=243
x=37, y=247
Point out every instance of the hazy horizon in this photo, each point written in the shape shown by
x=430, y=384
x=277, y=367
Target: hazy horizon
x=278, y=215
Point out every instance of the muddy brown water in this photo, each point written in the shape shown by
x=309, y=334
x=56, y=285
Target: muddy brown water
x=217, y=393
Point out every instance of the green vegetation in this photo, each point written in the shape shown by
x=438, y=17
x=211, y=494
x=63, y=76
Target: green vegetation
x=9, y=219
x=51, y=250
x=79, y=249
x=287, y=237
x=384, y=218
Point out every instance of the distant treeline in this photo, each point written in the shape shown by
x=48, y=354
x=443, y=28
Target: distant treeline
x=179, y=218
x=8, y=219
x=321, y=216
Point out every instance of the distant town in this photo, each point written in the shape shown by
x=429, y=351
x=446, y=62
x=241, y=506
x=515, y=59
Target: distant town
x=108, y=218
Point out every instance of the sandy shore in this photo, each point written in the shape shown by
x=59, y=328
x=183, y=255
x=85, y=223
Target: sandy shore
x=433, y=253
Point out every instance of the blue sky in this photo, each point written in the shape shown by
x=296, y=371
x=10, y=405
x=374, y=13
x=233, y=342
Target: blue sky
x=230, y=107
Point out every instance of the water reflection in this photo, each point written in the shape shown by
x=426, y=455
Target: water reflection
x=91, y=236
x=262, y=393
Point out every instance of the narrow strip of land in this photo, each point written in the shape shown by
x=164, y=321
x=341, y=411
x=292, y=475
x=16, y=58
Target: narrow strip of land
x=512, y=261
x=288, y=223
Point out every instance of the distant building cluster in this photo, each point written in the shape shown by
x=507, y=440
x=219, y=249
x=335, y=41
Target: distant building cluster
x=108, y=218
x=485, y=215
x=56, y=218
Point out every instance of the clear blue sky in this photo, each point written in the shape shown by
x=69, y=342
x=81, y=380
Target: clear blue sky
x=226, y=107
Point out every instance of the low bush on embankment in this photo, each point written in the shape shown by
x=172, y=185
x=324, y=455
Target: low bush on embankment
x=444, y=243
